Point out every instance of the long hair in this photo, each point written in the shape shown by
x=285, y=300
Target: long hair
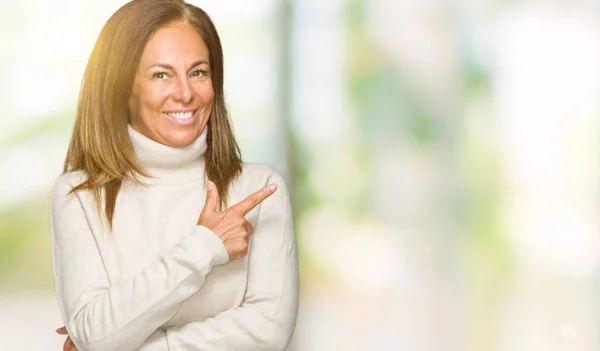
x=100, y=144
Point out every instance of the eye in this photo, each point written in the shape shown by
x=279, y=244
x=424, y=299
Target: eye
x=199, y=73
x=160, y=75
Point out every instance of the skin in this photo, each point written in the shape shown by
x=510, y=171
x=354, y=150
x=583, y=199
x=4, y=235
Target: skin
x=68, y=345
x=174, y=74
x=230, y=226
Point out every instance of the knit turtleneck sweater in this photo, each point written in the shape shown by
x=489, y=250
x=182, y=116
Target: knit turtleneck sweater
x=159, y=281
x=168, y=164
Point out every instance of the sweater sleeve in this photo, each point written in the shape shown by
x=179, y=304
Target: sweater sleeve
x=103, y=316
x=267, y=316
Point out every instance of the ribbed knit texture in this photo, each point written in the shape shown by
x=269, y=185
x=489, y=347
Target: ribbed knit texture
x=159, y=281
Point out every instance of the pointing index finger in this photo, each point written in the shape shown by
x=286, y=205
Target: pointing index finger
x=254, y=200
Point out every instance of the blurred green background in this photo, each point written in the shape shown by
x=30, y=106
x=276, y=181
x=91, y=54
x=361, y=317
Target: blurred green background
x=442, y=157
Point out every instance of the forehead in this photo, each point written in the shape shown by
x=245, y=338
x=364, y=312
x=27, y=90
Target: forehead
x=173, y=43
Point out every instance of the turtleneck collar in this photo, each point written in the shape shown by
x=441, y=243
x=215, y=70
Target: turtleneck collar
x=168, y=164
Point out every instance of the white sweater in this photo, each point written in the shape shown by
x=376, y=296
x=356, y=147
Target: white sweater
x=158, y=281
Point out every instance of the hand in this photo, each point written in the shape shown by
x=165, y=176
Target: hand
x=230, y=225
x=68, y=345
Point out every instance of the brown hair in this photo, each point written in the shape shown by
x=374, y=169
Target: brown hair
x=100, y=144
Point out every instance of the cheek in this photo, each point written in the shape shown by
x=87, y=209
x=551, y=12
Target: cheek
x=153, y=97
x=134, y=106
x=206, y=94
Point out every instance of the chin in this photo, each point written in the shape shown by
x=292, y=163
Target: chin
x=181, y=139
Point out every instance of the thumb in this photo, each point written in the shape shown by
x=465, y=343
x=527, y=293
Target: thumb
x=212, y=198
x=62, y=331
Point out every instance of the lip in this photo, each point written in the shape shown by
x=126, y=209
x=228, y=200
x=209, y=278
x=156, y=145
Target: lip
x=181, y=121
x=183, y=110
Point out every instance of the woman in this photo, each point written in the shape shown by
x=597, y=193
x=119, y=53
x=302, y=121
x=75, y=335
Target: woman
x=151, y=219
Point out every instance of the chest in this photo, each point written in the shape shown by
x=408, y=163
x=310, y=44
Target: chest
x=148, y=224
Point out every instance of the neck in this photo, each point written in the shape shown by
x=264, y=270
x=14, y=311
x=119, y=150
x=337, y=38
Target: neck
x=166, y=164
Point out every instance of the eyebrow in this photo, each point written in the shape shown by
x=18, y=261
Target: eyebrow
x=167, y=66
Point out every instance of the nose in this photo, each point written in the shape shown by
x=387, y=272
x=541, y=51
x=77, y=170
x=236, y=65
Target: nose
x=183, y=91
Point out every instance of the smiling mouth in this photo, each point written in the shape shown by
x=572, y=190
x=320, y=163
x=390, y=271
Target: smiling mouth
x=182, y=117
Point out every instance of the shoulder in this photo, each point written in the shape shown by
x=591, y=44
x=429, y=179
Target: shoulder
x=66, y=182
x=69, y=180
x=259, y=174
x=255, y=176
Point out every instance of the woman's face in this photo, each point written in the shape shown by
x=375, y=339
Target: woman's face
x=172, y=93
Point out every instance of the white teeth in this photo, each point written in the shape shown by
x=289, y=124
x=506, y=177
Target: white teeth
x=181, y=115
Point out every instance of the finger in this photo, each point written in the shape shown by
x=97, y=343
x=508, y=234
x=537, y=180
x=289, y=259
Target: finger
x=72, y=346
x=241, y=247
x=67, y=344
x=249, y=228
x=254, y=200
x=62, y=331
x=212, y=198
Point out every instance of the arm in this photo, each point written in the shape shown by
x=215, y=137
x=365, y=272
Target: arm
x=101, y=316
x=266, y=318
